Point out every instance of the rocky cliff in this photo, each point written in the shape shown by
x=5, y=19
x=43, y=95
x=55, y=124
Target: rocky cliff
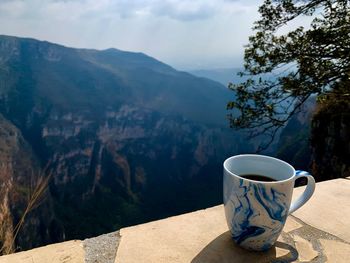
x=318, y=138
x=294, y=142
x=20, y=172
x=330, y=138
x=125, y=137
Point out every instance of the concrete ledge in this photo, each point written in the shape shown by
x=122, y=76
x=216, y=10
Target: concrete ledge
x=203, y=236
x=329, y=208
x=67, y=252
x=317, y=232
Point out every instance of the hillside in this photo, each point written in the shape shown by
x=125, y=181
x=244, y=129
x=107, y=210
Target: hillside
x=125, y=137
x=221, y=75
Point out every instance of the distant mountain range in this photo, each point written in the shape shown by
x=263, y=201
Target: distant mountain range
x=221, y=75
x=125, y=138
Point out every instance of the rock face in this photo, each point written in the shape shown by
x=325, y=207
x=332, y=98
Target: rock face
x=294, y=142
x=331, y=140
x=126, y=138
x=318, y=139
x=19, y=173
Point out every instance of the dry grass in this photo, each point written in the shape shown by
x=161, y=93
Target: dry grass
x=35, y=198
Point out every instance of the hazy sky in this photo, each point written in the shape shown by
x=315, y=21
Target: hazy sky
x=187, y=34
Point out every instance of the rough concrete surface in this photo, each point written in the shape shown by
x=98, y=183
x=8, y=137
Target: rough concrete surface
x=101, y=249
x=318, y=232
x=203, y=237
x=329, y=208
x=66, y=252
x=336, y=251
x=291, y=225
x=305, y=249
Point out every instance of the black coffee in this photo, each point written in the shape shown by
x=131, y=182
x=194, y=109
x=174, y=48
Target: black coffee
x=257, y=177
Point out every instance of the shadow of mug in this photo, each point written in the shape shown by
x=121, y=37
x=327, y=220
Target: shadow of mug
x=222, y=250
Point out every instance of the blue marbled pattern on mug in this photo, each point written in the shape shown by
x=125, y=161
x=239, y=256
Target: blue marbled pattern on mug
x=258, y=212
x=301, y=173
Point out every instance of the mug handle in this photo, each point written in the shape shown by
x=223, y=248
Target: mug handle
x=310, y=188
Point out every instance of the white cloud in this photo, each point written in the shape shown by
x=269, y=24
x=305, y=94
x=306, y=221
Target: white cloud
x=183, y=33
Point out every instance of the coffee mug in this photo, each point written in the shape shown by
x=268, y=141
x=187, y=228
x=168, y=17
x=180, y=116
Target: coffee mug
x=256, y=211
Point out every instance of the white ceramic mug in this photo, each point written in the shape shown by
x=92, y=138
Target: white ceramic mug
x=256, y=211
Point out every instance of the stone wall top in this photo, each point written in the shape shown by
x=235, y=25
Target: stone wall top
x=318, y=232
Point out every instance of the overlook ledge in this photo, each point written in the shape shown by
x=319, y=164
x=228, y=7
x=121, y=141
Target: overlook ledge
x=317, y=232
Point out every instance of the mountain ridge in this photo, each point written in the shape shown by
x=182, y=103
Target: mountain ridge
x=126, y=138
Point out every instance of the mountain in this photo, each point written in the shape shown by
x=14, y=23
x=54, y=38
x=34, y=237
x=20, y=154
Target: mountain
x=221, y=75
x=20, y=171
x=317, y=138
x=294, y=141
x=125, y=138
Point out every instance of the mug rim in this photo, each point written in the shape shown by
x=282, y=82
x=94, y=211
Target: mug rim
x=260, y=156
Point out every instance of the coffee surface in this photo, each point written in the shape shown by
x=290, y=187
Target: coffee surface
x=257, y=177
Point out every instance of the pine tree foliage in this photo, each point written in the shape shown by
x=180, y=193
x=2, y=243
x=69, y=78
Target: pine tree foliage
x=285, y=69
